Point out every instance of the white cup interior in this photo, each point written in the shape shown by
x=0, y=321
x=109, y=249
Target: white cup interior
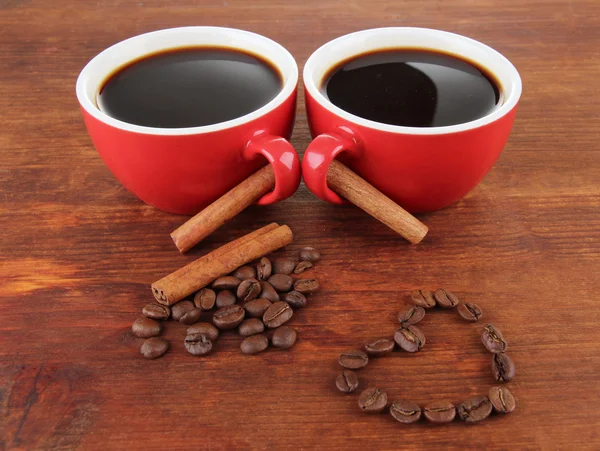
x=106, y=63
x=355, y=44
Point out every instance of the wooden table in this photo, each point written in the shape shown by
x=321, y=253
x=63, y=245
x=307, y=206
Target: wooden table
x=78, y=253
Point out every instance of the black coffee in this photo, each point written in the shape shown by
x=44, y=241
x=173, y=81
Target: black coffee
x=189, y=87
x=412, y=87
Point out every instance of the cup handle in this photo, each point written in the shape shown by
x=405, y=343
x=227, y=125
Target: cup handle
x=274, y=182
x=318, y=157
x=283, y=160
x=322, y=172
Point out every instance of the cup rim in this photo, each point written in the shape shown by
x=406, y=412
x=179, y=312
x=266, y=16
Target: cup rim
x=312, y=88
x=285, y=64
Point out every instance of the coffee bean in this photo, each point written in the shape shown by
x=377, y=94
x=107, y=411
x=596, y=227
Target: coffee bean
x=145, y=327
x=310, y=254
x=281, y=282
x=197, y=344
x=493, y=340
x=502, y=400
x=204, y=328
x=283, y=265
x=405, y=411
x=295, y=299
x=306, y=286
x=379, y=347
x=302, y=266
x=205, y=299
x=156, y=311
x=347, y=381
x=445, y=299
x=251, y=326
x=440, y=412
x=353, y=359
x=469, y=311
x=372, y=400
x=226, y=283
x=284, y=337
x=277, y=314
x=263, y=269
x=268, y=292
x=180, y=309
x=409, y=338
x=225, y=298
x=191, y=317
x=474, y=409
x=422, y=298
x=254, y=344
x=154, y=347
x=249, y=289
x=229, y=317
x=245, y=272
x=411, y=316
x=503, y=367
x=256, y=308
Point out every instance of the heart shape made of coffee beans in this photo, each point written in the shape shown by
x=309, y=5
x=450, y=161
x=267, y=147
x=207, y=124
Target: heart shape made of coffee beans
x=410, y=338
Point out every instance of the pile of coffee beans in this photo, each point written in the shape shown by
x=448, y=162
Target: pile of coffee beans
x=410, y=338
x=253, y=299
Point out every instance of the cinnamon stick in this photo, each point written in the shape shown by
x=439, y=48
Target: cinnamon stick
x=224, y=208
x=201, y=272
x=361, y=193
x=239, y=241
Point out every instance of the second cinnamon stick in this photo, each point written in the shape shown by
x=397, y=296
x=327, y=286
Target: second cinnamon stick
x=361, y=193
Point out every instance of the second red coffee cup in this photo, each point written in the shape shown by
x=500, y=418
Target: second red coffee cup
x=182, y=170
x=420, y=168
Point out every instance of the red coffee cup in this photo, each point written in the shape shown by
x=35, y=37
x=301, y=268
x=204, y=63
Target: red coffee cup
x=181, y=170
x=420, y=168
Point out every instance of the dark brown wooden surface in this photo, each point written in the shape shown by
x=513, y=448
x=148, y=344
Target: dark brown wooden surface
x=78, y=252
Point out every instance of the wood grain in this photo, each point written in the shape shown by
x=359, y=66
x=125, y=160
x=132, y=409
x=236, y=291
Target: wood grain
x=77, y=252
